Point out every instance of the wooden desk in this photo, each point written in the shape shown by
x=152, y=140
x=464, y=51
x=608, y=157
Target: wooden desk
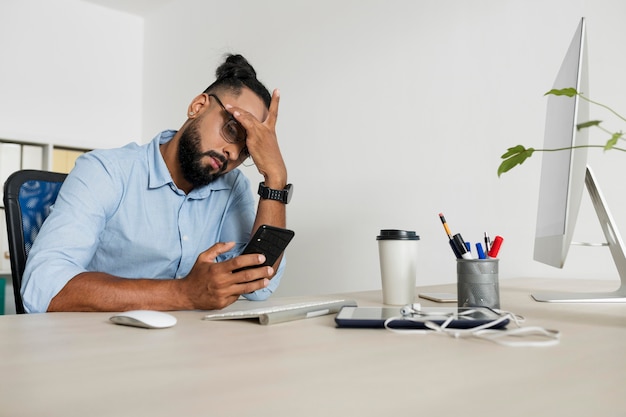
x=79, y=364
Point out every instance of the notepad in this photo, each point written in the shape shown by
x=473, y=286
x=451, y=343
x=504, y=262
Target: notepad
x=285, y=312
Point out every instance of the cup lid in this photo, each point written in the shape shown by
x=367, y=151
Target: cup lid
x=394, y=234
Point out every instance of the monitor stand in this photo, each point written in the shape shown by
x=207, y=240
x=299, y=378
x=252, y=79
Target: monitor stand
x=615, y=244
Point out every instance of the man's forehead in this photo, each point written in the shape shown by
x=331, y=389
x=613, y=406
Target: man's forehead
x=248, y=101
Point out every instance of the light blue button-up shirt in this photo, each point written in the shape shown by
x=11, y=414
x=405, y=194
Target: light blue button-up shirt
x=120, y=212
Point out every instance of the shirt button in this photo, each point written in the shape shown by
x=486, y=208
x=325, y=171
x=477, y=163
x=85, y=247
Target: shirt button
x=185, y=238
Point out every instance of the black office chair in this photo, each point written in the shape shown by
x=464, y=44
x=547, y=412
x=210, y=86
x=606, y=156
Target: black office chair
x=28, y=195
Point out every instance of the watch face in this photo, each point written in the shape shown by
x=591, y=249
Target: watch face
x=288, y=192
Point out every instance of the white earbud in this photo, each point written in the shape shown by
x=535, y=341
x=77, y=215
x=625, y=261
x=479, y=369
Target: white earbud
x=410, y=309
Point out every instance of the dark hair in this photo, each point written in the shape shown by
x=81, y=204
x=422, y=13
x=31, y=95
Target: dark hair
x=235, y=73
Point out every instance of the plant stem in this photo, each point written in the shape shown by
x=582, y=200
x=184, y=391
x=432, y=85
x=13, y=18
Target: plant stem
x=576, y=147
x=602, y=105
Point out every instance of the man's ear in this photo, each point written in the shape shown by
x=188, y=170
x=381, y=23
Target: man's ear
x=198, y=105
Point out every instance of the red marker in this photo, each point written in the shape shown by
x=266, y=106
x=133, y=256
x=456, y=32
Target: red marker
x=495, y=247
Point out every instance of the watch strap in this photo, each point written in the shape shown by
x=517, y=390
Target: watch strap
x=267, y=193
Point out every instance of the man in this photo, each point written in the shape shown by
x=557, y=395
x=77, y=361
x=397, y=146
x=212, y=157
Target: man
x=159, y=226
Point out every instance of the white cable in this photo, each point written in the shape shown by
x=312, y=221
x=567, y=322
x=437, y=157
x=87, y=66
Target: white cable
x=541, y=336
x=546, y=337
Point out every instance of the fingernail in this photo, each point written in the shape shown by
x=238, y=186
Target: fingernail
x=228, y=106
x=236, y=113
x=266, y=282
x=261, y=259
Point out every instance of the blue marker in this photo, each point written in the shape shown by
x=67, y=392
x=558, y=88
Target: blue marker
x=481, y=252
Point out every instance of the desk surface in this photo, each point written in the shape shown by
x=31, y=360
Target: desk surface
x=79, y=364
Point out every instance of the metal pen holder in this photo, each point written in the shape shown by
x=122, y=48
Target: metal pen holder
x=477, y=283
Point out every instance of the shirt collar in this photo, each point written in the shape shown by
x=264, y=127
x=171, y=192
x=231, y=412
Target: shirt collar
x=160, y=176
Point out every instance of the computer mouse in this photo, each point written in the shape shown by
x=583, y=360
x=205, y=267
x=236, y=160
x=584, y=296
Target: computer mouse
x=148, y=319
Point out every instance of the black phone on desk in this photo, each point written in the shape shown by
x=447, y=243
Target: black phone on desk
x=270, y=241
x=375, y=317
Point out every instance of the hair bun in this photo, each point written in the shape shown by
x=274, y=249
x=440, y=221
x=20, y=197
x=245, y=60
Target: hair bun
x=235, y=66
x=236, y=73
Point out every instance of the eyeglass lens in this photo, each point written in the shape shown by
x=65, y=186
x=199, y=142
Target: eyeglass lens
x=233, y=131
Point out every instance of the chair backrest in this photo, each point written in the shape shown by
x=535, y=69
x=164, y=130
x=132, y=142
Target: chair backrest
x=28, y=195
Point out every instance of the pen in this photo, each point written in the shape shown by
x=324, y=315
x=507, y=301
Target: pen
x=450, y=241
x=480, y=251
x=445, y=226
x=495, y=248
x=487, y=242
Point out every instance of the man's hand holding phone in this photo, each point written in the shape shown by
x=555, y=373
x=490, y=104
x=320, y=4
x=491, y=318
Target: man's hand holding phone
x=214, y=285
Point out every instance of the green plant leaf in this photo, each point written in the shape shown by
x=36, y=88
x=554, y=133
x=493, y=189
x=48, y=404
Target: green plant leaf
x=588, y=124
x=513, y=157
x=513, y=151
x=613, y=141
x=518, y=154
x=569, y=92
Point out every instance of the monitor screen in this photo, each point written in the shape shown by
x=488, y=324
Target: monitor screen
x=563, y=173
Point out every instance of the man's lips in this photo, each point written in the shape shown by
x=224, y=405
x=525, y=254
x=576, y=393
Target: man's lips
x=215, y=163
x=216, y=160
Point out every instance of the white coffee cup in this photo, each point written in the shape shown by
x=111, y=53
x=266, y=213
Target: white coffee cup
x=397, y=251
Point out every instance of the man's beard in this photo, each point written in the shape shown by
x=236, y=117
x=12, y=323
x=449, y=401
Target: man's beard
x=190, y=159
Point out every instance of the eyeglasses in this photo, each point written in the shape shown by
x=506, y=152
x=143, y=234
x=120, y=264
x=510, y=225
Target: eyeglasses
x=232, y=131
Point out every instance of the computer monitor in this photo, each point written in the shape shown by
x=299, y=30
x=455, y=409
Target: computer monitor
x=564, y=175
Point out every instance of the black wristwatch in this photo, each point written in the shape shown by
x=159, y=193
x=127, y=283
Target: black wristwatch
x=283, y=196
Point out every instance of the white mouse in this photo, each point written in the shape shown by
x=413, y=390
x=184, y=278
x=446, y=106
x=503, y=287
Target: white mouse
x=148, y=319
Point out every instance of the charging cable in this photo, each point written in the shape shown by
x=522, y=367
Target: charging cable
x=535, y=336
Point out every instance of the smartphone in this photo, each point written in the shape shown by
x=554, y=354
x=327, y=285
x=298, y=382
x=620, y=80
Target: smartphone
x=270, y=241
x=375, y=317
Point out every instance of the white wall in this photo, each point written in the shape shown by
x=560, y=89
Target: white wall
x=391, y=111
x=394, y=111
x=70, y=73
